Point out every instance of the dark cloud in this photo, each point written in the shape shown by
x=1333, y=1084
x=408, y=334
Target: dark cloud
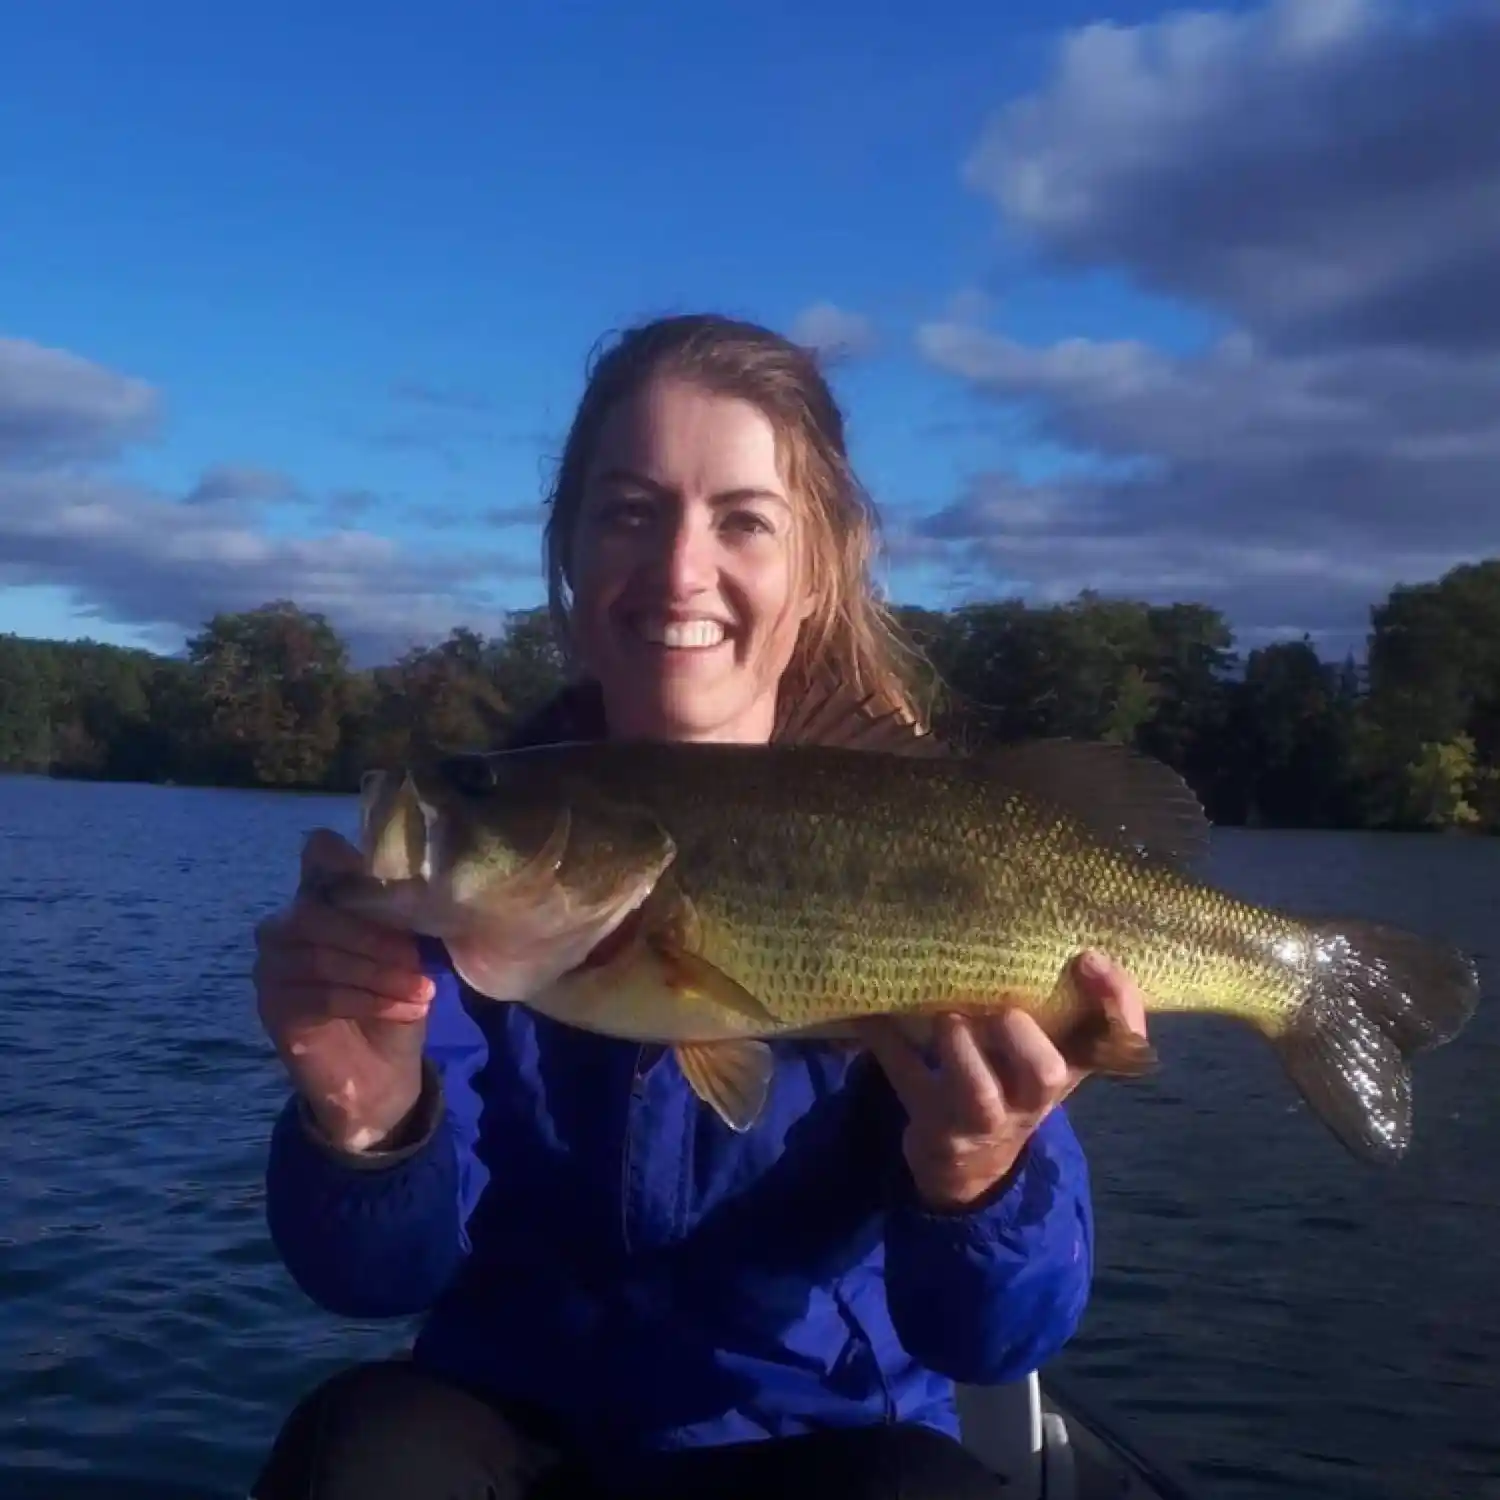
x=442, y=398
x=515, y=515
x=430, y=442
x=1313, y=172
x=225, y=484
x=1318, y=169
x=58, y=408
x=448, y=515
x=166, y=564
x=346, y=506
x=138, y=559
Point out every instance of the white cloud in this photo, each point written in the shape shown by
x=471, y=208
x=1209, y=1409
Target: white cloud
x=1326, y=176
x=133, y=556
x=835, y=333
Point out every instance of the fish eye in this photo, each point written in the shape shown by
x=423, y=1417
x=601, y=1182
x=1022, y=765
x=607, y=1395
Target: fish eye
x=471, y=774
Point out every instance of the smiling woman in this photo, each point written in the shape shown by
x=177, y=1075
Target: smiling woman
x=705, y=484
x=686, y=567
x=621, y=1294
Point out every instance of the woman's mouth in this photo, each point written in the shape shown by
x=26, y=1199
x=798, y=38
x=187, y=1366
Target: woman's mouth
x=698, y=634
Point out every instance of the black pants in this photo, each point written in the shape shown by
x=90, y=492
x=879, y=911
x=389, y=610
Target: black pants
x=387, y=1431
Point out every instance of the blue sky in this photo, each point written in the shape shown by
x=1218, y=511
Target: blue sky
x=298, y=299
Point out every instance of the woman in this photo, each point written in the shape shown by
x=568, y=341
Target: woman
x=619, y=1295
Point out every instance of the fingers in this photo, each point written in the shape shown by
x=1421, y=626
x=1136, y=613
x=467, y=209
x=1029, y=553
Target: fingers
x=290, y=1004
x=310, y=922
x=1036, y=1074
x=304, y=964
x=961, y=1093
x=327, y=853
x=1003, y=1064
x=1105, y=982
x=904, y=1065
x=977, y=1097
x=314, y=963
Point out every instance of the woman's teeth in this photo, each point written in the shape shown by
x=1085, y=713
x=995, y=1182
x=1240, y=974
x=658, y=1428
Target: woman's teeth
x=684, y=635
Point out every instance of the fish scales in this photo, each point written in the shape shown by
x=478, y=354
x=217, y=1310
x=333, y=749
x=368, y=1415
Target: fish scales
x=714, y=898
x=834, y=896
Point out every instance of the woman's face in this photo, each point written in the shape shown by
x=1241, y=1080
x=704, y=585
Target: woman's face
x=686, y=567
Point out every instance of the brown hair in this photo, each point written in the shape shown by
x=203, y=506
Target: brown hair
x=850, y=636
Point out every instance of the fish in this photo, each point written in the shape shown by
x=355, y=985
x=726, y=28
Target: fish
x=715, y=899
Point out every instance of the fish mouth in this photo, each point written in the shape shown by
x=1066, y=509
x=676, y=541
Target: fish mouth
x=510, y=930
x=398, y=828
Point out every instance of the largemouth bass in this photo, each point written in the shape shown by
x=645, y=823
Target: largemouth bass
x=714, y=898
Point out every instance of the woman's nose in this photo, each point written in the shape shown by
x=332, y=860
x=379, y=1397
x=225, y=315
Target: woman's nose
x=688, y=558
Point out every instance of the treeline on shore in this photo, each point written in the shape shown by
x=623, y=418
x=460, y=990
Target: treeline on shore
x=1274, y=737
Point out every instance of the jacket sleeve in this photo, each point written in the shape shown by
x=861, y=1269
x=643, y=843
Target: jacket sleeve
x=988, y=1296
x=379, y=1234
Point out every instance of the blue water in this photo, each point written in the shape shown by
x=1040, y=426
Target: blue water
x=1278, y=1318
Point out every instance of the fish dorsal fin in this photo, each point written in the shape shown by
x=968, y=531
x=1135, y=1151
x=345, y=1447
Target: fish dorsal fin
x=830, y=714
x=1121, y=794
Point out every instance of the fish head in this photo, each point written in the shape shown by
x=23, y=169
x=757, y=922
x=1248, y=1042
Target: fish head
x=520, y=865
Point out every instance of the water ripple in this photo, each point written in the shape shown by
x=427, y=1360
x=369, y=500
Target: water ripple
x=1281, y=1319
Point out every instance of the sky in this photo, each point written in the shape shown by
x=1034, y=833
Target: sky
x=295, y=301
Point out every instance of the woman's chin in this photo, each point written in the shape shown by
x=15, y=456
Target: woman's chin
x=685, y=704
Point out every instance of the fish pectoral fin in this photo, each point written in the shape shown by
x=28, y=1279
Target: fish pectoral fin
x=733, y=1078
x=697, y=981
x=1090, y=1038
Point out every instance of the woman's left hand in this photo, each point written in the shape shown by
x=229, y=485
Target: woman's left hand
x=970, y=1119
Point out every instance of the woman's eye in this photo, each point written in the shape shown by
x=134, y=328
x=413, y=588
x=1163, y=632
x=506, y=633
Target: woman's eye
x=747, y=522
x=625, y=513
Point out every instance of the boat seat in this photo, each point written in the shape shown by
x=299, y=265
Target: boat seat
x=1008, y=1428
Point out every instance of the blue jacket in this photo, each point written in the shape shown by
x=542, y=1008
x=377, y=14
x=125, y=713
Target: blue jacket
x=584, y=1236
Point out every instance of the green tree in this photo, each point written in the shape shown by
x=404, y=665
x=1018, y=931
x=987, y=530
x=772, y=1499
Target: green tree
x=273, y=683
x=268, y=697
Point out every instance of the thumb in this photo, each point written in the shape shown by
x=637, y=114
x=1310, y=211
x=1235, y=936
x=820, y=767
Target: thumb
x=325, y=852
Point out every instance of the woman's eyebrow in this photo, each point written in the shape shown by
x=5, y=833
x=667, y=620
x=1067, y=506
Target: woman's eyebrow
x=736, y=496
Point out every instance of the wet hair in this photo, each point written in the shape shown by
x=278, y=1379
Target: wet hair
x=850, y=636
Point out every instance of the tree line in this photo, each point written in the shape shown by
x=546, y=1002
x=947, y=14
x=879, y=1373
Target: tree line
x=1273, y=737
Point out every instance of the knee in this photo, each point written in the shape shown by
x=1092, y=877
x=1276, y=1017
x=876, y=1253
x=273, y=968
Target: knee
x=926, y=1462
x=371, y=1429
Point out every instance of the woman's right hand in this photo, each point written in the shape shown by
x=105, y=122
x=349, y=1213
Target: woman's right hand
x=345, y=1002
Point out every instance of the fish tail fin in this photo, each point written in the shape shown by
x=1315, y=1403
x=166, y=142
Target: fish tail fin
x=1377, y=997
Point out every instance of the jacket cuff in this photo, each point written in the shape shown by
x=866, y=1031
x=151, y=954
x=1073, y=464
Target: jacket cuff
x=1021, y=1199
x=411, y=1136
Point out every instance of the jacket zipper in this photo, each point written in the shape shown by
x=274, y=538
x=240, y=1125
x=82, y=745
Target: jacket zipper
x=637, y=1090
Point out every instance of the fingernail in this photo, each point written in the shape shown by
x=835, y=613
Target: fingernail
x=1092, y=964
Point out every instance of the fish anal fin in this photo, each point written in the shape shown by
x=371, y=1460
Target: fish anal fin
x=1089, y=1037
x=733, y=1078
x=1099, y=1043
x=828, y=713
x=1120, y=793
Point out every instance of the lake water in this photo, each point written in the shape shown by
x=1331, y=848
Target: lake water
x=1273, y=1315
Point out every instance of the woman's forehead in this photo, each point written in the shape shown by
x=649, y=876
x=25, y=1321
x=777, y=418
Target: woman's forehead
x=691, y=441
